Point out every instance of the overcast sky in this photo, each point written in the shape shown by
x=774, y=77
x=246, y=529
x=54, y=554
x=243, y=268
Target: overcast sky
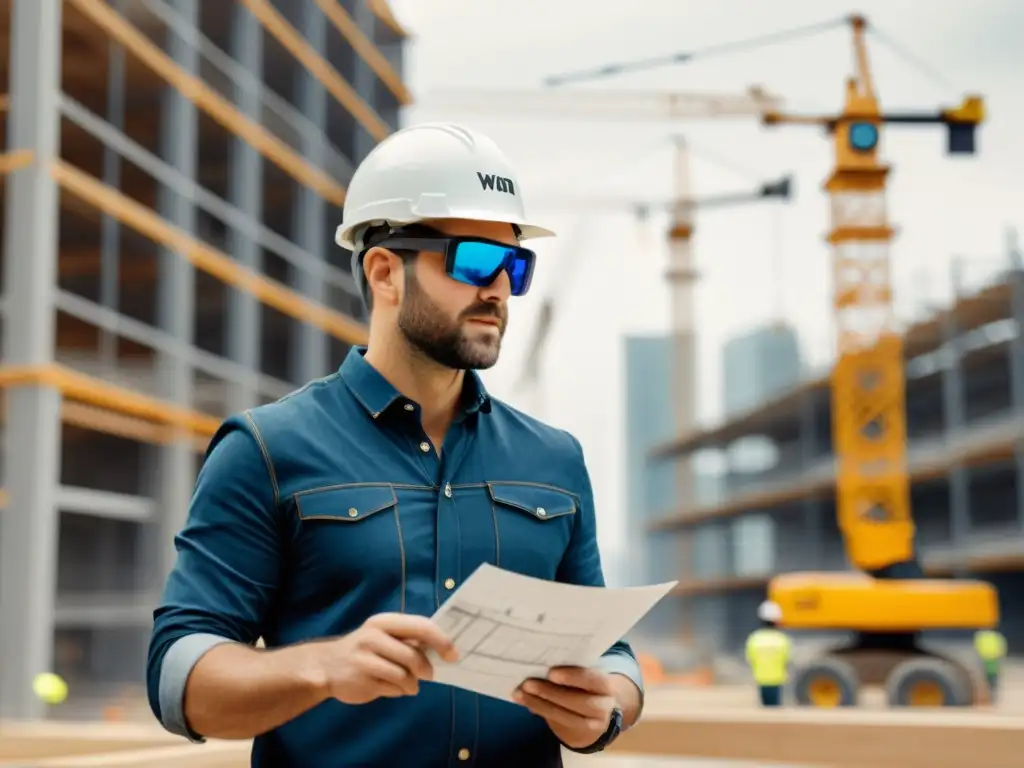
x=607, y=270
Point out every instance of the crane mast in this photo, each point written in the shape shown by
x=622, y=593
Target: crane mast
x=868, y=384
x=868, y=414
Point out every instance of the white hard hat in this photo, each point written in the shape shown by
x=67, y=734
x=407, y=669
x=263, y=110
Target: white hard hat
x=769, y=611
x=433, y=171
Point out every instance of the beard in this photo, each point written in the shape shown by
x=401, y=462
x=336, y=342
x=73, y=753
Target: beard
x=427, y=329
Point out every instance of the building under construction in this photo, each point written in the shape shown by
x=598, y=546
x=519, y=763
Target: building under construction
x=174, y=173
x=965, y=426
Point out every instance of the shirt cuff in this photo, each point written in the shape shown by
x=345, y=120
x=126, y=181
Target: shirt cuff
x=616, y=663
x=177, y=665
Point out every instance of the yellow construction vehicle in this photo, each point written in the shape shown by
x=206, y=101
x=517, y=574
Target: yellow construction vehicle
x=890, y=602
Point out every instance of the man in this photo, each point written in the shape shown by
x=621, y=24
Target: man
x=768, y=652
x=991, y=648
x=333, y=522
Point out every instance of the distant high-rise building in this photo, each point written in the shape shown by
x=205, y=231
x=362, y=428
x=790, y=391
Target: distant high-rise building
x=758, y=365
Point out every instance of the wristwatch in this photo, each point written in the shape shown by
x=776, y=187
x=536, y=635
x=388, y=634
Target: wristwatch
x=612, y=733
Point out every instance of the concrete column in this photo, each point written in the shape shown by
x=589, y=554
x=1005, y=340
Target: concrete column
x=29, y=526
x=364, y=80
x=110, y=228
x=954, y=419
x=245, y=191
x=176, y=298
x=1016, y=258
x=810, y=442
x=309, y=352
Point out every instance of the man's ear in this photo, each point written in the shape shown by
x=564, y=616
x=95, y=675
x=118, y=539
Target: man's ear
x=384, y=276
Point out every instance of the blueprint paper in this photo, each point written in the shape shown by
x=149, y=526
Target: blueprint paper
x=509, y=627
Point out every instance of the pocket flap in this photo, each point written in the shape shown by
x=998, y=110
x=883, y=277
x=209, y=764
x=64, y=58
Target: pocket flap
x=543, y=502
x=345, y=503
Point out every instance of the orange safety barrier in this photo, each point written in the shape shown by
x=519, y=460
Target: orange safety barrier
x=651, y=669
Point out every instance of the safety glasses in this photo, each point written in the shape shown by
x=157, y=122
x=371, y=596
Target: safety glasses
x=474, y=260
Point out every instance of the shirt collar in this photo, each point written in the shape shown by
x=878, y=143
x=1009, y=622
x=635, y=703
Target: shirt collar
x=376, y=394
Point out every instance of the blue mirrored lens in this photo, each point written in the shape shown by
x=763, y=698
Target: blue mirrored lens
x=480, y=263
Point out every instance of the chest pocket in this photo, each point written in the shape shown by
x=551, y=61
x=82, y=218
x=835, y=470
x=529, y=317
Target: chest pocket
x=350, y=536
x=533, y=526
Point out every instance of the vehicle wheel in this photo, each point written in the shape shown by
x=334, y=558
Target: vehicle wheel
x=829, y=682
x=928, y=682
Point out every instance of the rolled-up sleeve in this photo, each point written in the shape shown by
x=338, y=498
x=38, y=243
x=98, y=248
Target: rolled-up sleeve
x=226, y=571
x=581, y=564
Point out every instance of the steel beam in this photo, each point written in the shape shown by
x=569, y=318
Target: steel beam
x=148, y=336
x=176, y=298
x=953, y=403
x=105, y=504
x=231, y=215
x=363, y=81
x=245, y=191
x=309, y=353
x=29, y=526
x=813, y=509
x=110, y=231
x=1016, y=258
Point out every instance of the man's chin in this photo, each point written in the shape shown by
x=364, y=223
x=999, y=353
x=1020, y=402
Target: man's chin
x=481, y=354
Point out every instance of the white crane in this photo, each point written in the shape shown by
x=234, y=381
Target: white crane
x=592, y=105
x=604, y=105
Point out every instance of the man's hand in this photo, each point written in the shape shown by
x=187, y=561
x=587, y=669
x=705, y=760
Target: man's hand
x=577, y=703
x=386, y=657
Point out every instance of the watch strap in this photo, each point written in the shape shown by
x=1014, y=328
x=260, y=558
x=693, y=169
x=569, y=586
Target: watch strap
x=610, y=734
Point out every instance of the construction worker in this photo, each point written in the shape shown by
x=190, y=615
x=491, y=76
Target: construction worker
x=335, y=521
x=991, y=648
x=768, y=652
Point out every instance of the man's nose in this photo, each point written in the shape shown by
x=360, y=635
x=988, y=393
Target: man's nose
x=499, y=290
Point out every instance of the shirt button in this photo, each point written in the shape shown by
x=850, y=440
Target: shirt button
x=448, y=490
x=463, y=754
x=409, y=407
x=541, y=512
x=424, y=446
x=449, y=583
x=353, y=512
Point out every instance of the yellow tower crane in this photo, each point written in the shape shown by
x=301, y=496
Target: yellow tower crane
x=888, y=603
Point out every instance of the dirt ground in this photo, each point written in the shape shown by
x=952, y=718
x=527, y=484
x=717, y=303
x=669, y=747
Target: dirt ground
x=108, y=745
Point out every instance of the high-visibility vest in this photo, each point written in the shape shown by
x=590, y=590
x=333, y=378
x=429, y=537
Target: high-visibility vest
x=768, y=654
x=990, y=645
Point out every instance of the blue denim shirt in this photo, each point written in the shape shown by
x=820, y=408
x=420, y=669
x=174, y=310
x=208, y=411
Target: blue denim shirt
x=318, y=511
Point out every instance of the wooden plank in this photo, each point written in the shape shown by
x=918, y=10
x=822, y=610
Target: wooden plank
x=365, y=49
x=318, y=66
x=832, y=738
x=108, y=422
x=205, y=98
x=382, y=10
x=214, y=754
x=829, y=739
x=219, y=265
x=109, y=397
x=14, y=160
